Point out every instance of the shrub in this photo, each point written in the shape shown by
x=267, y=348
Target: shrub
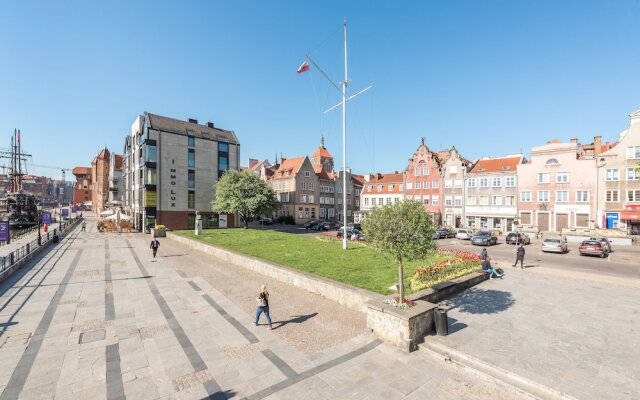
x=160, y=227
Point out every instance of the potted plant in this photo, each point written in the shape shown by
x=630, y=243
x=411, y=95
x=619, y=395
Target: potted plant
x=159, y=231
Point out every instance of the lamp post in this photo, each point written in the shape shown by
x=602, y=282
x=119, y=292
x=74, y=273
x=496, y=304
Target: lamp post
x=601, y=163
x=39, y=223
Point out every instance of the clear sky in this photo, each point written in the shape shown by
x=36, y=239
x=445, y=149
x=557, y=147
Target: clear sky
x=490, y=77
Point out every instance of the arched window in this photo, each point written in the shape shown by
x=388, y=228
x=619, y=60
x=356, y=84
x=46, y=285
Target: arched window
x=552, y=161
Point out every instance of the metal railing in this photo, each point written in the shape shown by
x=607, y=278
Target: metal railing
x=28, y=248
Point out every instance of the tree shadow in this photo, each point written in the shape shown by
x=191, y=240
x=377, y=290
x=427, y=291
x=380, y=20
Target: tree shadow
x=221, y=395
x=481, y=301
x=296, y=319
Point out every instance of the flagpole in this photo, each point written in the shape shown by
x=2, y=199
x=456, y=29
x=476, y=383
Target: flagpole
x=344, y=142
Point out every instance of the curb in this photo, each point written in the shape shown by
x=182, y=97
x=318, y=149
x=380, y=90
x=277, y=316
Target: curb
x=491, y=373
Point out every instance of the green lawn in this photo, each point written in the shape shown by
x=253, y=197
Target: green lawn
x=359, y=266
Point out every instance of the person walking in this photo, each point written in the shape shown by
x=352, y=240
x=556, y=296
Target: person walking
x=263, y=306
x=484, y=254
x=520, y=256
x=154, y=246
x=84, y=226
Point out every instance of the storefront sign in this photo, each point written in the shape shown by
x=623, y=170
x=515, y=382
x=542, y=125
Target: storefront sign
x=65, y=212
x=46, y=217
x=4, y=231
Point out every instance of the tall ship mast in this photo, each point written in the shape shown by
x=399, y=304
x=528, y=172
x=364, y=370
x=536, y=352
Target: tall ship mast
x=18, y=206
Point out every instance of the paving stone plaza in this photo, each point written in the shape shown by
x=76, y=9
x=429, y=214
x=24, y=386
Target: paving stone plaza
x=96, y=317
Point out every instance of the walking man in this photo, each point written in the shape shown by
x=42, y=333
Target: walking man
x=84, y=226
x=154, y=246
x=520, y=256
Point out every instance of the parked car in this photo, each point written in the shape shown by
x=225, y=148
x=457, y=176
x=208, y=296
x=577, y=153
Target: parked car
x=554, y=245
x=328, y=226
x=354, y=226
x=311, y=224
x=435, y=235
x=446, y=233
x=350, y=233
x=464, y=234
x=484, y=238
x=592, y=248
x=605, y=243
x=517, y=238
x=265, y=220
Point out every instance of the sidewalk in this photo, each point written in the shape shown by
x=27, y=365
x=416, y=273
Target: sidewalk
x=98, y=318
x=17, y=243
x=576, y=336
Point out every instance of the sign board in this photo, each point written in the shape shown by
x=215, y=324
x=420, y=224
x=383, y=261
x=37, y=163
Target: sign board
x=65, y=212
x=4, y=231
x=222, y=221
x=46, y=217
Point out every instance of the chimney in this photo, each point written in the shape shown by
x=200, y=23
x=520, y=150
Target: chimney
x=597, y=144
x=192, y=121
x=574, y=141
x=252, y=162
x=210, y=124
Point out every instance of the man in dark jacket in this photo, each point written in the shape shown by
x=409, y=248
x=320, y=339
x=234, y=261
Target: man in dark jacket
x=520, y=256
x=154, y=246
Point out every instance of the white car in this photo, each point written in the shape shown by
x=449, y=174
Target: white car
x=554, y=245
x=463, y=234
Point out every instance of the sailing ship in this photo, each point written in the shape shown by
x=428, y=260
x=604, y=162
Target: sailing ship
x=18, y=206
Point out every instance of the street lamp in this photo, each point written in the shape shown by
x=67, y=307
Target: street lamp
x=601, y=163
x=39, y=213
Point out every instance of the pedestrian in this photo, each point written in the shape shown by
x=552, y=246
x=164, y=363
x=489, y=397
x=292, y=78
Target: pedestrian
x=154, y=246
x=84, y=226
x=520, y=256
x=483, y=254
x=488, y=269
x=263, y=306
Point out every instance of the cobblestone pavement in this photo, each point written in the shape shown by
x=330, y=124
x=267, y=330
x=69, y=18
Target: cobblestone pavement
x=578, y=336
x=97, y=318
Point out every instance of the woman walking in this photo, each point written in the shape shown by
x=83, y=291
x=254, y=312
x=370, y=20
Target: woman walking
x=263, y=306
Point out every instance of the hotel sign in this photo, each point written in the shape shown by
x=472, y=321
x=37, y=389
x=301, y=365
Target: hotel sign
x=172, y=182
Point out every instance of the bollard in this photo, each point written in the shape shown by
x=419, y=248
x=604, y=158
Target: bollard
x=442, y=323
x=28, y=248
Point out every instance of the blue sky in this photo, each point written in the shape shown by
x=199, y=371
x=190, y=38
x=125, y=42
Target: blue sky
x=490, y=77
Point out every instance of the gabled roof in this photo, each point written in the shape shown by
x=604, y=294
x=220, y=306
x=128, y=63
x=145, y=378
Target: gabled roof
x=104, y=153
x=359, y=179
x=503, y=164
x=292, y=165
x=258, y=165
x=322, y=174
x=172, y=125
x=322, y=152
x=393, y=178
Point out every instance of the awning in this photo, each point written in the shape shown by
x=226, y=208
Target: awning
x=630, y=215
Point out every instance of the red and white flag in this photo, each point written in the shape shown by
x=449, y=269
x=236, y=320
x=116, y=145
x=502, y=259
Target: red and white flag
x=303, y=68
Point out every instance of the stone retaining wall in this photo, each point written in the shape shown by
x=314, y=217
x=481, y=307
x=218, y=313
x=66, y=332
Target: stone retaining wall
x=348, y=296
x=403, y=328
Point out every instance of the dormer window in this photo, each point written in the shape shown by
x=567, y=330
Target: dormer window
x=390, y=188
x=552, y=161
x=370, y=187
x=379, y=188
x=286, y=173
x=307, y=174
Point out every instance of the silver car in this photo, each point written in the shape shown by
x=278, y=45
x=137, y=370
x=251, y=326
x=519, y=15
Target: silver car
x=463, y=234
x=554, y=245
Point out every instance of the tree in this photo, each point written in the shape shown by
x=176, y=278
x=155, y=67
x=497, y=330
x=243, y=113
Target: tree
x=244, y=193
x=402, y=230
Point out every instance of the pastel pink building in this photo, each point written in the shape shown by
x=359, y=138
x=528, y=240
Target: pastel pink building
x=423, y=182
x=557, y=189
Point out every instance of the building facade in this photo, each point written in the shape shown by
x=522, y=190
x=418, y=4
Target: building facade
x=557, y=188
x=116, y=185
x=100, y=179
x=423, y=182
x=454, y=169
x=296, y=185
x=619, y=181
x=491, y=194
x=83, y=187
x=380, y=189
x=171, y=168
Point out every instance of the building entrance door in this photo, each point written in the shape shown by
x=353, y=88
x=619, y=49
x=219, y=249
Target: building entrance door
x=562, y=222
x=543, y=222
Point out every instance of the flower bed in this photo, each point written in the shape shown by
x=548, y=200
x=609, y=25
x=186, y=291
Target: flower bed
x=396, y=302
x=461, y=263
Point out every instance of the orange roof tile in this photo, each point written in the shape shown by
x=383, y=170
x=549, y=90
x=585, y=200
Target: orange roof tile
x=81, y=171
x=292, y=165
x=497, y=165
x=322, y=152
x=395, y=179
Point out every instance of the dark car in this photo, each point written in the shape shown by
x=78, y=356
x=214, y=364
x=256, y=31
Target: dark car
x=484, y=238
x=517, y=238
x=311, y=224
x=350, y=233
x=265, y=220
x=354, y=226
x=592, y=248
x=446, y=233
x=330, y=225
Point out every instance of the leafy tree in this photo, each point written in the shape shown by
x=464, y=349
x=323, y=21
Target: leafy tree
x=402, y=230
x=243, y=192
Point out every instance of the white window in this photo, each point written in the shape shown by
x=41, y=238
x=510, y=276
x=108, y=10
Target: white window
x=390, y=188
x=448, y=183
x=562, y=196
x=379, y=188
x=611, y=196
x=633, y=196
x=525, y=197
x=284, y=197
x=322, y=212
x=388, y=200
x=357, y=203
x=303, y=185
x=425, y=185
x=380, y=201
x=613, y=174
x=310, y=185
x=510, y=181
x=410, y=185
x=331, y=213
x=303, y=198
x=543, y=177
x=543, y=196
x=322, y=200
x=448, y=200
x=453, y=169
x=497, y=182
x=496, y=200
x=311, y=198
x=425, y=170
x=509, y=200
x=349, y=191
x=435, y=184
x=307, y=174
x=562, y=177
x=632, y=175
x=582, y=196
x=400, y=187
x=435, y=200
x=457, y=183
x=457, y=201
x=396, y=200
x=471, y=182
x=484, y=182
x=633, y=152
x=339, y=200
x=416, y=172
x=366, y=201
x=471, y=200
x=484, y=200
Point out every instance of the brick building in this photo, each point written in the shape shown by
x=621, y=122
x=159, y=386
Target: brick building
x=83, y=187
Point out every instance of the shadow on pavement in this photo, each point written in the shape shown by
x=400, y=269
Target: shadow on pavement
x=223, y=395
x=455, y=325
x=297, y=319
x=480, y=301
